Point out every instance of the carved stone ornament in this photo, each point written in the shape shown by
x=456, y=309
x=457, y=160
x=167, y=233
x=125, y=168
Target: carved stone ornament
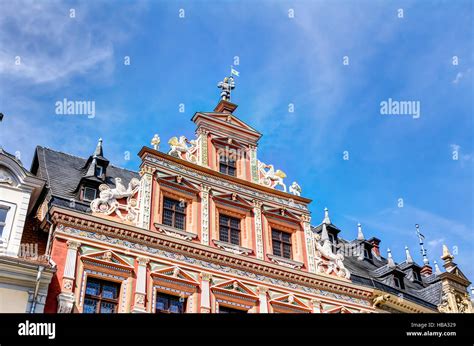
x=380, y=299
x=295, y=189
x=328, y=262
x=179, y=148
x=107, y=203
x=269, y=177
x=65, y=302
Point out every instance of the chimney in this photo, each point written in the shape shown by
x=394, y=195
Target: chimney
x=375, y=245
x=426, y=270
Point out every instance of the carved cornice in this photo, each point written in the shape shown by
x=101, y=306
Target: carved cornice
x=174, y=232
x=286, y=262
x=122, y=232
x=236, y=249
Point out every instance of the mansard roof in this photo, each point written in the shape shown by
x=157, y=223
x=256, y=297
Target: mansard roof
x=63, y=172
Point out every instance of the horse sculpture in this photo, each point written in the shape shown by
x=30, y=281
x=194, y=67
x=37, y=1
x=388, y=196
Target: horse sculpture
x=271, y=178
x=180, y=146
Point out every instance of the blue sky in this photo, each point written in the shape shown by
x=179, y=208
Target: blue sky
x=282, y=60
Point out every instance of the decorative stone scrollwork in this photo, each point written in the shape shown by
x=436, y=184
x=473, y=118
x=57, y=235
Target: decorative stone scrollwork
x=269, y=177
x=328, y=262
x=107, y=203
x=180, y=149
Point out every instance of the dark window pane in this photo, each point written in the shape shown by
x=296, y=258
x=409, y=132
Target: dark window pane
x=109, y=292
x=107, y=308
x=224, y=234
x=3, y=214
x=93, y=288
x=179, y=221
x=169, y=303
x=90, y=306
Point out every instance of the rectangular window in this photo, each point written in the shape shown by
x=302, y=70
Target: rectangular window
x=3, y=217
x=229, y=229
x=101, y=297
x=281, y=242
x=89, y=194
x=98, y=171
x=226, y=310
x=227, y=165
x=398, y=282
x=169, y=304
x=174, y=213
x=416, y=275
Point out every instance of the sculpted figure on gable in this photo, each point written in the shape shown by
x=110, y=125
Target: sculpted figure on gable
x=179, y=148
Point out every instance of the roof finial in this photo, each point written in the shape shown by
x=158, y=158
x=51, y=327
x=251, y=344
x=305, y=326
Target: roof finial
x=437, y=270
x=98, y=149
x=390, y=261
x=360, y=235
x=226, y=85
x=408, y=255
x=326, y=220
x=421, y=237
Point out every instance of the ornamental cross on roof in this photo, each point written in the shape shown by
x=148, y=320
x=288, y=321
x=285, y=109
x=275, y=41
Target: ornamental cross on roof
x=226, y=85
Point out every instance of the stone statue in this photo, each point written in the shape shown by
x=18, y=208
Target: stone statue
x=180, y=146
x=295, y=189
x=327, y=261
x=155, y=141
x=226, y=85
x=269, y=177
x=107, y=202
x=380, y=299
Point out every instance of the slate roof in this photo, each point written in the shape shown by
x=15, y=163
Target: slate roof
x=63, y=172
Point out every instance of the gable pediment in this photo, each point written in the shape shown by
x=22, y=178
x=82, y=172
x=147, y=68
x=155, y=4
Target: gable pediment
x=174, y=274
x=178, y=182
x=289, y=303
x=282, y=214
x=107, y=259
x=234, y=291
x=232, y=199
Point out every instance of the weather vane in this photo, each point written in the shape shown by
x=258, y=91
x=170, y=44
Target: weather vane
x=228, y=84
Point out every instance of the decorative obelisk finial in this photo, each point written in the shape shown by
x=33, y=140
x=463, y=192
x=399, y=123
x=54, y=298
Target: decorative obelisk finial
x=390, y=261
x=360, y=235
x=226, y=85
x=326, y=219
x=409, y=259
x=421, y=237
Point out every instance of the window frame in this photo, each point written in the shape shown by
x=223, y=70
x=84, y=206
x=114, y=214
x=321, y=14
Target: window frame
x=282, y=242
x=99, y=299
x=230, y=228
x=84, y=193
x=101, y=170
x=227, y=165
x=4, y=223
x=174, y=212
x=170, y=297
x=398, y=280
x=8, y=223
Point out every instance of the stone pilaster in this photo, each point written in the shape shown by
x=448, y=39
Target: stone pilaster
x=257, y=212
x=206, y=292
x=205, y=214
x=309, y=240
x=263, y=300
x=70, y=266
x=144, y=197
x=202, y=147
x=66, y=297
x=253, y=164
x=140, y=289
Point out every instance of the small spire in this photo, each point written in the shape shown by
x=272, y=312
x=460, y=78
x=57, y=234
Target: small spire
x=390, y=261
x=437, y=270
x=360, y=235
x=98, y=150
x=446, y=254
x=408, y=255
x=421, y=237
x=326, y=220
x=324, y=234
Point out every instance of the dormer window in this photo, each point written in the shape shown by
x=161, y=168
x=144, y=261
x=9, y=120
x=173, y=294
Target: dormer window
x=398, y=282
x=89, y=194
x=416, y=275
x=227, y=165
x=99, y=170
